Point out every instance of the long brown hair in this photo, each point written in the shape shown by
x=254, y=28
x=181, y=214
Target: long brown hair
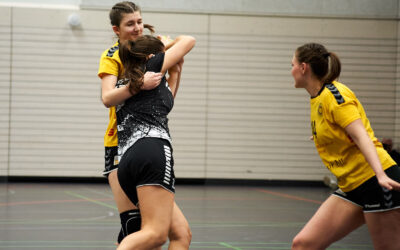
x=317, y=56
x=118, y=11
x=134, y=55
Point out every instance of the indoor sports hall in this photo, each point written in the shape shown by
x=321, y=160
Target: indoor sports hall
x=248, y=175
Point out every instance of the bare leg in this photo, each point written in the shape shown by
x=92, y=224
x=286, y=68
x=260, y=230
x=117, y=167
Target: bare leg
x=384, y=228
x=122, y=201
x=180, y=234
x=156, y=207
x=333, y=220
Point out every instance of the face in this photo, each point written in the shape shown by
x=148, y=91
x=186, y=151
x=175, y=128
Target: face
x=298, y=73
x=130, y=28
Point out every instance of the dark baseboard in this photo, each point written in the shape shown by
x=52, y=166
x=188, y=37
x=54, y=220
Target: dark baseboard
x=179, y=181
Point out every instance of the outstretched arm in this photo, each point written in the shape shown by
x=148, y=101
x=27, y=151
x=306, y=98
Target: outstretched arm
x=360, y=136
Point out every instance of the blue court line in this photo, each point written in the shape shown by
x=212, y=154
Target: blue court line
x=91, y=200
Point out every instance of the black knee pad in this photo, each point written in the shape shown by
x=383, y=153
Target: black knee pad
x=130, y=222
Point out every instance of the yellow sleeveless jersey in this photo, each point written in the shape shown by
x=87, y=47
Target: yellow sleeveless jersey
x=110, y=63
x=332, y=110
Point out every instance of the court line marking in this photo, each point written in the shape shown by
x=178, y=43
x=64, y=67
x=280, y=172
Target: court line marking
x=228, y=246
x=41, y=202
x=292, y=197
x=91, y=200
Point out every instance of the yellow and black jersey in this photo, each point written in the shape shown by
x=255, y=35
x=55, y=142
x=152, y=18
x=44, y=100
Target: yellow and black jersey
x=110, y=63
x=335, y=107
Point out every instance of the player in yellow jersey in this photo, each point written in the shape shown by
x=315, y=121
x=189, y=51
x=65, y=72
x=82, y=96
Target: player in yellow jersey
x=127, y=24
x=368, y=179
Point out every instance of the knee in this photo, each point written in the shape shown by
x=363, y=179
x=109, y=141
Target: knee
x=296, y=243
x=299, y=243
x=158, y=238
x=181, y=234
x=188, y=235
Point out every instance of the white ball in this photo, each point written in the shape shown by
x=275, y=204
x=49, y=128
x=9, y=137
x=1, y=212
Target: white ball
x=74, y=20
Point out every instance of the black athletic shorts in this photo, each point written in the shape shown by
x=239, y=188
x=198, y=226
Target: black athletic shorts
x=148, y=162
x=371, y=196
x=110, y=160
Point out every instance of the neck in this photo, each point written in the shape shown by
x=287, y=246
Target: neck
x=314, y=87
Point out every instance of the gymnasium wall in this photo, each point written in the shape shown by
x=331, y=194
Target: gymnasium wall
x=237, y=114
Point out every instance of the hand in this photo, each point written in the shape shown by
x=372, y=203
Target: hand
x=151, y=80
x=389, y=184
x=166, y=40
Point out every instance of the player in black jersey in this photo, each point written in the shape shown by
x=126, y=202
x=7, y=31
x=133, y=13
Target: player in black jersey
x=146, y=172
x=127, y=23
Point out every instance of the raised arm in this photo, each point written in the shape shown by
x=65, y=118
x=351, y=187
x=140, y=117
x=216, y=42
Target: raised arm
x=360, y=136
x=179, y=48
x=175, y=77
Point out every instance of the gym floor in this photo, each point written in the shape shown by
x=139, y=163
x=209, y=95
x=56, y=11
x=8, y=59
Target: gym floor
x=84, y=216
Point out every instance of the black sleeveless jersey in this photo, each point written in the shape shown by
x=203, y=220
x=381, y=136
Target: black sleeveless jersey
x=145, y=114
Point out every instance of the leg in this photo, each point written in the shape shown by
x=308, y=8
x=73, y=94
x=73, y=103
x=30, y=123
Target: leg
x=156, y=206
x=384, y=228
x=122, y=201
x=333, y=220
x=125, y=206
x=180, y=234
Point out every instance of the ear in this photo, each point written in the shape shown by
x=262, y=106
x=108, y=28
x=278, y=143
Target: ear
x=116, y=30
x=304, y=68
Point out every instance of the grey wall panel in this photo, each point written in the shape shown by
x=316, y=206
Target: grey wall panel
x=57, y=114
x=236, y=115
x=396, y=135
x=5, y=84
x=56, y=104
x=188, y=119
x=258, y=123
x=317, y=8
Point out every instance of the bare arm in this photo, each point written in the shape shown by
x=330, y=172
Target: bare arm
x=360, y=136
x=179, y=48
x=112, y=96
x=175, y=77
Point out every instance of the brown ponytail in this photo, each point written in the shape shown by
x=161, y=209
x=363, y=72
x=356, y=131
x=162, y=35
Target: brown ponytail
x=325, y=65
x=149, y=27
x=335, y=68
x=134, y=55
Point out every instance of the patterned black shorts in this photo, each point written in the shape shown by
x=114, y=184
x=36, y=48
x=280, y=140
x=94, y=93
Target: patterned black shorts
x=371, y=196
x=149, y=162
